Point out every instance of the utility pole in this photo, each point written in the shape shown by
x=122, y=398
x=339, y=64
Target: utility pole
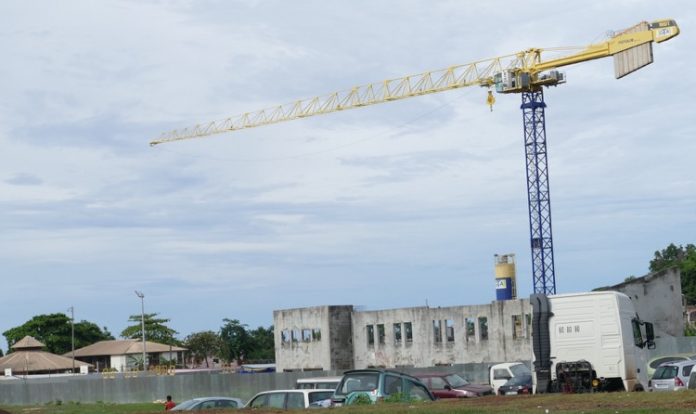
x=142, y=325
x=72, y=336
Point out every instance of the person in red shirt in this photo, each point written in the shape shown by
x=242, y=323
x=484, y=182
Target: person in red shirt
x=169, y=404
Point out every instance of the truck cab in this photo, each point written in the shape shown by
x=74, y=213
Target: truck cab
x=590, y=341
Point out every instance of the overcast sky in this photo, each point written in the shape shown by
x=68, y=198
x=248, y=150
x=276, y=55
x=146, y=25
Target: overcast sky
x=392, y=205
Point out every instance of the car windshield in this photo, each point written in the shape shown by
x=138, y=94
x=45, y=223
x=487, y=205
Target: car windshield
x=456, y=381
x=666, y=372
x=519, y=380
x=520, y=369
x=358, y=381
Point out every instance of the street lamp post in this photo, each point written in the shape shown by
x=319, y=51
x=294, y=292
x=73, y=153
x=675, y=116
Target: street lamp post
x=72, y=336
x=142, y=325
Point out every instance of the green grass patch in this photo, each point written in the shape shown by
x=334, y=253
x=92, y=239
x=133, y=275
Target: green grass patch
x=682, y=402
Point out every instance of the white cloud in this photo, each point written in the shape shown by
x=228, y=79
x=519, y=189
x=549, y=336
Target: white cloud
x=392, y=196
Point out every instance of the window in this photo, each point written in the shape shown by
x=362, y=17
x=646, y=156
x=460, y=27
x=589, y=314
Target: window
x=449, y=330
x=295, y=335
x=285, y=336
x=380, y=333
x=277, y=400
x=501, y=374
x=392, y=385
x=528, y=326
x=306, y=335
x=437, y=331
x=316, y=334
x=295, y=400
x=517, y=331
x=483, y=328
x=320, y=395
x=260, y=401
x=408, y=331
x=397, y=334
x=416, y=392
x=370, y=335
x=470, y=329
x=437, y=383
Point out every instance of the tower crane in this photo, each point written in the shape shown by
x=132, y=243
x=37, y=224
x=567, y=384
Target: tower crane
x=525, y=73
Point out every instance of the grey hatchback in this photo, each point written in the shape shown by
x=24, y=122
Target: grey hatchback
x=672, y=376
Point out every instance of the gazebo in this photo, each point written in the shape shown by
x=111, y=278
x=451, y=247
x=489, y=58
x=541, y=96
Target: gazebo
x=29, y=359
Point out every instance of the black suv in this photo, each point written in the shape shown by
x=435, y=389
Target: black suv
x=378, y=384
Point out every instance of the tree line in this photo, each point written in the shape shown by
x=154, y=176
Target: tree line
x=233, y=342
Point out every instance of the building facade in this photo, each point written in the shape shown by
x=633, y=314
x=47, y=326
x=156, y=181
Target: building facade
x=340, y=337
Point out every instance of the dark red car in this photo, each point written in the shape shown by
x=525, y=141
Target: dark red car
x=445, y=385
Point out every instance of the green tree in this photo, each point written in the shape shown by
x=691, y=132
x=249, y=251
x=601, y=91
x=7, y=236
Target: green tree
x=236, y=341
x=683, y=257
x=55, y=331
x=203, y=345
x=262, y=344
x=156, y=330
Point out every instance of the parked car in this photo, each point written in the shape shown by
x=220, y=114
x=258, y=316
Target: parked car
x=655, y=362
x=289, y=399
x=519, y=384
x=208, y=403
x=672, y=376
x=378, y=384
x=318, y=382
x=499, y=374
x=444, y=385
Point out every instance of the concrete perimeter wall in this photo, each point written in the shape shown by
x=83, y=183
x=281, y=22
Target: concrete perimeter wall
x=94, y=388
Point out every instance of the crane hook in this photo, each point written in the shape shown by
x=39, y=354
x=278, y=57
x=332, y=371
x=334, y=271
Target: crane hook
x=490, y=100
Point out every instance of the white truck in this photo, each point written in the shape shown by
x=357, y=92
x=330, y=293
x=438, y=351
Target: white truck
x=588, y=342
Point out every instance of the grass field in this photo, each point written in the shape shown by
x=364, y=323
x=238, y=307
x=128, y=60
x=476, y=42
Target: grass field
x=609, y=403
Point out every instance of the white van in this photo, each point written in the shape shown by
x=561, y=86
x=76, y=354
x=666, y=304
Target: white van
x=499, y=374
x=317, y=383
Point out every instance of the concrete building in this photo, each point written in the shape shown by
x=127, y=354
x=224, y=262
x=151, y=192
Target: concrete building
x=316, y=338
x=340, y=337
x=657, y=298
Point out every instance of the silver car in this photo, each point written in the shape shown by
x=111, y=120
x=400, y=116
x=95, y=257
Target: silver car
x=289, y=399
x=672, y=376
x=208, y=403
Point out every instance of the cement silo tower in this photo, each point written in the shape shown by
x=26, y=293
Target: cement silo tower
x=505, y=282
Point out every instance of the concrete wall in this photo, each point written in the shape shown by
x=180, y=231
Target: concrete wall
x=123, y=389
x=657, y=298
x=315, y=338
x=454, y=346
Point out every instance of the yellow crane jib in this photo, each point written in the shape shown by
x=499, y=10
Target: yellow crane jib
x=516, y=73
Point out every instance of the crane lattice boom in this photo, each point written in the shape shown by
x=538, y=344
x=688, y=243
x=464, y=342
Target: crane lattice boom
x=527, y=64
x=525, y=73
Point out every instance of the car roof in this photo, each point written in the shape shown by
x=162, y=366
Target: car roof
x=678, y=363
x=506, y=364
x=305, y=391
x=378, y=371
x=318, y=379
x=212, y=398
